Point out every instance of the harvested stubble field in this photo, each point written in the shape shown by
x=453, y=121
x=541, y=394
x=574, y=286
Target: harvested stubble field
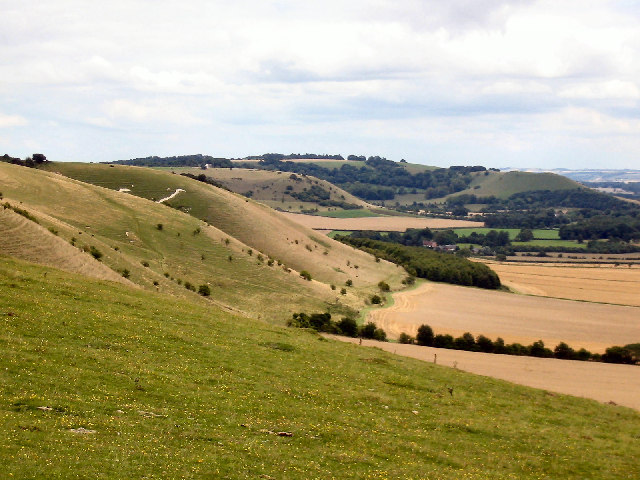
x=592, y=283
x=605, y=382
x=388, y=224
x=516, y=318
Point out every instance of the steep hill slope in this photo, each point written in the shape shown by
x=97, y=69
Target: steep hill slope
x=158, y=247
x=103, y=381
x=250, y=222
x=25, y=239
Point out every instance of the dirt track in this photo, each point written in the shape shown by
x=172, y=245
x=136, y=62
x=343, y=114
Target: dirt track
x=516, y=318
x=599, y=381
x=387, y=224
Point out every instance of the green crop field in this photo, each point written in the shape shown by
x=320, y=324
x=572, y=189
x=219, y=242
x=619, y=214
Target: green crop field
x=553, y=243
x=104, y=381
x=359, y=213
x=538, y=233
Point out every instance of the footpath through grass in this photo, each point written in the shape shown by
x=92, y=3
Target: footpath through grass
x=102, y=381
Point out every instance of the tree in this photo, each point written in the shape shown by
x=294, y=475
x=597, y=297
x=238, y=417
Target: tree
x=564, y=352
x=465, y=342
x=537, y=349
x=348, y=327
x=484, y=344
x=405, y=338
x=617, y=355
x=525, y=235
x=39, y=158
x=204, y=290
x=376, y=300
x=425, y=335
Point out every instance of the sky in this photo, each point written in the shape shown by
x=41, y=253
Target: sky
x=544, y=84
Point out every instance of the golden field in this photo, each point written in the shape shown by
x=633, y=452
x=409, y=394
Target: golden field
x=451, y=309
x=604, y=283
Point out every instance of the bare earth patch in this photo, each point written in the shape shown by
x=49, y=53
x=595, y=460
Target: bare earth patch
x=599, y=381
x=386, y=224
x=516, y=318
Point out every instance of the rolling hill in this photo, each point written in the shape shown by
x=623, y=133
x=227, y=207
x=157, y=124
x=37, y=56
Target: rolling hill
x=248, y=221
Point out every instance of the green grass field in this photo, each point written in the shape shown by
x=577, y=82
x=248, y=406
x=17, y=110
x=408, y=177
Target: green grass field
x=538, y=233
x=553, y=243
x=359, y=213
x=103, y=381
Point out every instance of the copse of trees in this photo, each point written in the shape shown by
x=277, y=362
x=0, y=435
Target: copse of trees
x=347, y=326
x=629, y=354
x=624, y=228
x=31, y=162
x=424, y=263
x=198, y=160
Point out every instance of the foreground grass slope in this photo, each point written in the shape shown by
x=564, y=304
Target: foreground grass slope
x=104, y=381
x=124, y=229
x=250, y=222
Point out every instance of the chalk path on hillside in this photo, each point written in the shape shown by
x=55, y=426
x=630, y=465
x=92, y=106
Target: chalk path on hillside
x=173, y=195
x=451, y=309
x=603, y=382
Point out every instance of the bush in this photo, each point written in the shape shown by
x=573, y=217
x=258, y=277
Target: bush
x=443, y=341
x=537, y=349
x=159, y=226
x=348, y=283
x=465, y=342
x=564, y=351
x=348, y=327
x=617, y=355
x=405, y=338
x=376, y=300
x=333, y=287
x=384, y=287
x=425, y=335
x=484, y=344
x=95, y=253
x=306, y=275
x=204, y=290
x=125, y=273
x=343, y=291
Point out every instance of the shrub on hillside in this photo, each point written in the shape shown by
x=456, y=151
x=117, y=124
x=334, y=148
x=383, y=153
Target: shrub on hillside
x=424, y=336
x=348, y=327
x=306, y=275
x=204, y=290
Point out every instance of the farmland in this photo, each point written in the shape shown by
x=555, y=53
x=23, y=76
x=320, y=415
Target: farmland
x=395, y=223
x=516, y=318
x=591, y=283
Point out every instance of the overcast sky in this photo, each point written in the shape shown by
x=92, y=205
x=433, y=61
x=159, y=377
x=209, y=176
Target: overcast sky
x=459, y=82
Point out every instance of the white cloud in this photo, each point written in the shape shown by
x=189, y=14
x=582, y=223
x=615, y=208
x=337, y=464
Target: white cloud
x=12, y=121
x=497, y=79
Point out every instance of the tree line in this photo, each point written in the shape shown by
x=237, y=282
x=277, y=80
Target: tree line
x=629, y=354
x=424, y=263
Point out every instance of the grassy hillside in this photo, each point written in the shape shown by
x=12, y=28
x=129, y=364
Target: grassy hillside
x=505, y=184
x=104, y=381
x=275, y=188
x=248, y=221
x=124, y=229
